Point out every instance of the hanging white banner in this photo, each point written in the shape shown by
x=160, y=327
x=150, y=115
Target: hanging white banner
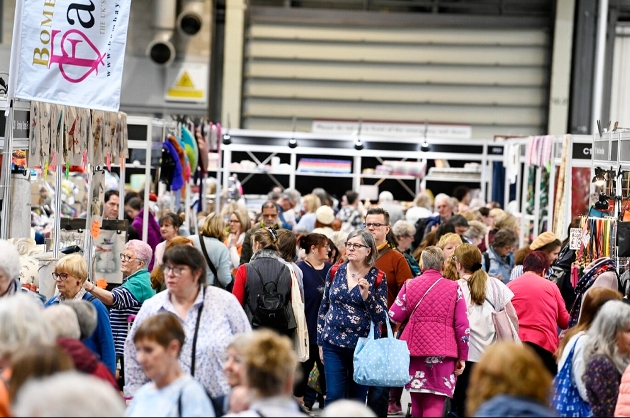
x=70, y=52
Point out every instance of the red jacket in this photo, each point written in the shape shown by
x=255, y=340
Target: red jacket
x=85, y=361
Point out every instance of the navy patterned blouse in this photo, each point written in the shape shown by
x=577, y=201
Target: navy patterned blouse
x=343, y=314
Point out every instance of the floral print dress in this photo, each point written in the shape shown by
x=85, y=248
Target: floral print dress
x=434, y=374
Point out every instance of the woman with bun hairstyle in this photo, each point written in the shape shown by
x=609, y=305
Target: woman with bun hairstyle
x=270, y=364
x=546, y=242
x=483, y=295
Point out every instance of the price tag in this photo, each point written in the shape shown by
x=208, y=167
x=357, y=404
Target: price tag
x=95, y=229
x=575, y=236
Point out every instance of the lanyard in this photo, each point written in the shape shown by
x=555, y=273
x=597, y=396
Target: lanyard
x=194, y=344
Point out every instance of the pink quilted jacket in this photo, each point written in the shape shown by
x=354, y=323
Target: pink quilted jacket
x=623, y=401
x=431, y=329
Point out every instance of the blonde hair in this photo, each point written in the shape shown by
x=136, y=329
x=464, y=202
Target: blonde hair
x=74, y=265
x=449, y=238
x=507, y=222
x=213, y=226
x=312, y=202
x=270, y=362
x=510, y=369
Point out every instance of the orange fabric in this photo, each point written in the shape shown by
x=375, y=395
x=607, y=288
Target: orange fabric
x=102, y=283
x=5, y=402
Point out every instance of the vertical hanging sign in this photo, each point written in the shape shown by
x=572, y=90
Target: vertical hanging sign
x=70, y=52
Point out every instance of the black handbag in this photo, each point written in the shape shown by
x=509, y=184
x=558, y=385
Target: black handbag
x=623, y=239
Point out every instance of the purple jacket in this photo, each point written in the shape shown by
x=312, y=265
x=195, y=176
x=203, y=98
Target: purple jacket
x=439, y=326
x=153, y=232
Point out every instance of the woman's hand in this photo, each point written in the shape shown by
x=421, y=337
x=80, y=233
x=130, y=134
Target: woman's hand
x=321, y=354
x=364, y=287
x=459, y=367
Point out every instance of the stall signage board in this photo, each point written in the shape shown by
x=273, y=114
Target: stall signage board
x=69, y=52
x=581, y=151
x=601, y=150
x=21, y=119
x=624, y=150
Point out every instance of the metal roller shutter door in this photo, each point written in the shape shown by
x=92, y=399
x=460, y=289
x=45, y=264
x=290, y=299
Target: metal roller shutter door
x=495, y=79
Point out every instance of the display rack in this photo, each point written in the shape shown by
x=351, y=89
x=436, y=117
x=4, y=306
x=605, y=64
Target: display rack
x=273, y=159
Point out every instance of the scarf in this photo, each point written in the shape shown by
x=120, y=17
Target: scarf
x=585, y=283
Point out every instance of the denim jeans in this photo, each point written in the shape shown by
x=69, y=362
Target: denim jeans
x=339, y=368
x=378, y=400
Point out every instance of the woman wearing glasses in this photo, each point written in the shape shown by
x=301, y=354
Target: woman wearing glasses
x=125, y=300
x=210, y=318
x=239, y=224
x=70, y=274
x=353, y=298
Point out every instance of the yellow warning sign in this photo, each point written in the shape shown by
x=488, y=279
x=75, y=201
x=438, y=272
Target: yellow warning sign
x=185, y=81
x=184, y=89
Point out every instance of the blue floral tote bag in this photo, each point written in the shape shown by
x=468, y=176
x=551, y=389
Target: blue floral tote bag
x=382, y=362
x=567, y=401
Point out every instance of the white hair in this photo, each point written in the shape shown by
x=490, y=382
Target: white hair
x=443, y=197
x=21, y=324
x=386, y=196
x=63, y=321
x=612, y=318
x=68, y=394
x=347, y=408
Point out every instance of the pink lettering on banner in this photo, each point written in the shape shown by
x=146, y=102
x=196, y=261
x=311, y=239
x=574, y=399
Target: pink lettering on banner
x=73, y=58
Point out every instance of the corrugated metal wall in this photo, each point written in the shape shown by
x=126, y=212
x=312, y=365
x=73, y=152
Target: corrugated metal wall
x=496, y=80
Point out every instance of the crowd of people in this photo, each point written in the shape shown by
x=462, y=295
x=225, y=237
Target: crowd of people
x=206, y=324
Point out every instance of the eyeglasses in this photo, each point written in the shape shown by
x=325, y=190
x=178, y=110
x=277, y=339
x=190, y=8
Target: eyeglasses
x=60, y=276
x=373, y=225
x=126, y=258
x=353, y=246
x=177, y=271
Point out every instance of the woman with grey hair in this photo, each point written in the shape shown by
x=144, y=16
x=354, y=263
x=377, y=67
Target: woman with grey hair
x=432, y=310
x=355, y=296
x=404, y=232
x=476, y=232
x=127, y=299
x=607, y=354
x=22, y=325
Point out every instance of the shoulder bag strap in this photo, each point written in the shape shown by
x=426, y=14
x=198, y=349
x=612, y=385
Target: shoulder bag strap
x=194, y=343
x=420, y=301
x=422, y=298
x=205, y=253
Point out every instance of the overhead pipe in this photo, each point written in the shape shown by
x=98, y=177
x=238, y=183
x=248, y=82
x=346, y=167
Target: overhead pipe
x=161, y=49
x=600, y=62
x=190, y=17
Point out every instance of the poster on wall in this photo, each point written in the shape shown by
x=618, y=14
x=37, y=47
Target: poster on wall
x=69, y=52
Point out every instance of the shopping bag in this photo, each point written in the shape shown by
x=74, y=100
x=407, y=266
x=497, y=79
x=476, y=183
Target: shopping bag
x=503, y=326
x=382, y=362
x=567, y=401
x=300, y=336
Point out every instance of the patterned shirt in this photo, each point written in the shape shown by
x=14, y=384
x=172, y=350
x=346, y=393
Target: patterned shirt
x=602, y=379
x=343, y=314
x=222, y=318
x=350, y=218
